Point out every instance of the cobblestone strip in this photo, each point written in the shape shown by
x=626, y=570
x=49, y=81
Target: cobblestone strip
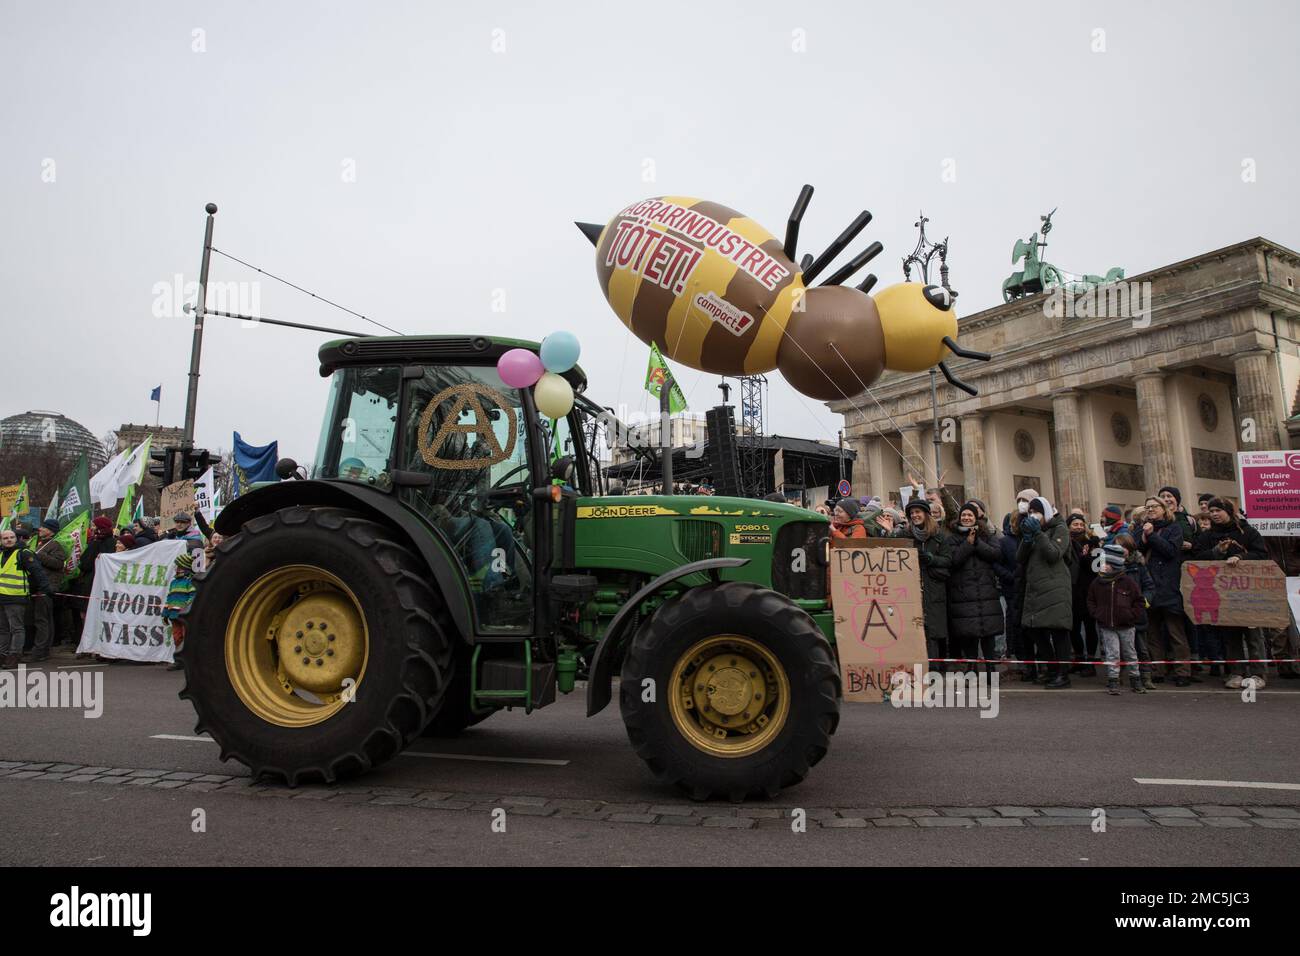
x=706, y=815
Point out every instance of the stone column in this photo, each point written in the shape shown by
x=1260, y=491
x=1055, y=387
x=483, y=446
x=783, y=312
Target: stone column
x=1072, y=468
x=973, y=461
x=1153, y=420
x=914, y=453
x=873, y=466
x=1257, y=396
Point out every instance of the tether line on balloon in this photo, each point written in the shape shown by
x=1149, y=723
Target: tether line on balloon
x=901, y=432
x=320, y=298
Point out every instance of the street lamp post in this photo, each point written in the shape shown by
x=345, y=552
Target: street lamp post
x=196, y=349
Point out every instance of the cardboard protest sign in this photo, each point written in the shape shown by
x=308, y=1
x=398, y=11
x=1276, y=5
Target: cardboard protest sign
x=124, y=616
x=8, y=496
x=1247, y=594
x=177, y=497
x=879, y=622
x=1270, y=490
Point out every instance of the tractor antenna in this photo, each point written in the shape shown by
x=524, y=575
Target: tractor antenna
x=796, y=216
x=836, y=247
x=854, y=264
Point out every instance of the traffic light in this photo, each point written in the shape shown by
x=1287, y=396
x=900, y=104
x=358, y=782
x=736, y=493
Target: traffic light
x=161, y=461
x=194, y=462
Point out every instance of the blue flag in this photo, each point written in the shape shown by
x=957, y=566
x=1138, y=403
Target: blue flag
x=253, y=464
x=156, y=394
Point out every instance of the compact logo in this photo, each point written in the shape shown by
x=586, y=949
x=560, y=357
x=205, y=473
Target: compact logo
x=75, y=908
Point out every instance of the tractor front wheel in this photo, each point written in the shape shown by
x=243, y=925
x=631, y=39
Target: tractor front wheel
x=730, y=691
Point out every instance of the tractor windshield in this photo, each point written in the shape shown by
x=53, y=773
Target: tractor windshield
x=356, y=440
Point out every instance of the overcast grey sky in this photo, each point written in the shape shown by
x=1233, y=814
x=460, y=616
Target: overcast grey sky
x=478, y=132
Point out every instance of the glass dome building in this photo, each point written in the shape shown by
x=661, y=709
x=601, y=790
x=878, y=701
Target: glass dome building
x=40, y=428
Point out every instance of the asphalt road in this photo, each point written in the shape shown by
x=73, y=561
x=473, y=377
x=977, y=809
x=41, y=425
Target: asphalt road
x=1078, y=748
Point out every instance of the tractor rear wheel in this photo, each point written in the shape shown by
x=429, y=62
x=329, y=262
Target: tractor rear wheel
x=730, y=690
x=315, y=647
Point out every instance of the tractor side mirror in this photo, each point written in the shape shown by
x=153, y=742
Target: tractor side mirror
x=563, y=470
x=286, y=468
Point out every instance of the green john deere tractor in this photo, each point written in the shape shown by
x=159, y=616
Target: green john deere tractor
x=454, y=554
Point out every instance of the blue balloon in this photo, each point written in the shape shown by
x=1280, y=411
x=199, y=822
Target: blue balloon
x=560, y=351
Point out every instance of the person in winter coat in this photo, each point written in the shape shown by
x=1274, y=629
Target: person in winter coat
x=1114, y=602
x=1083, y=629
x=885, y=523
x=142, y=529
x=936, y=563
x=1135, y=567
x=21, y=576
x=1231, y=540
x=52, y=558
x=1011, y=580
x=1046, y=556
x=974, y=610
x=1160, y=539
x=845, y=522
x=1112, y=522
x=1172, y=499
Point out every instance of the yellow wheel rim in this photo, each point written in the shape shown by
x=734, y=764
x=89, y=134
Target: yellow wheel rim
x=296, y=646
x=730, y=696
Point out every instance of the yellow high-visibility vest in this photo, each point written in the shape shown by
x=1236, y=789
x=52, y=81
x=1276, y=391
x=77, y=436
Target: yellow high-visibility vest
x=13, y=579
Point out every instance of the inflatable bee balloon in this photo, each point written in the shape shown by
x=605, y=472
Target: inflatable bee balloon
x=718, y=293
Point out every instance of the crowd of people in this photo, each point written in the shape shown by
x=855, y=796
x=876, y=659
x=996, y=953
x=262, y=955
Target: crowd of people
x=1044, y=593
x=37, y=599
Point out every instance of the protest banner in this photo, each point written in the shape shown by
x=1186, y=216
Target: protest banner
x=8, y=496
x=124, y=616
x=177, y=497
x=879, y=621
x=1246, y=594
x=1270, y=491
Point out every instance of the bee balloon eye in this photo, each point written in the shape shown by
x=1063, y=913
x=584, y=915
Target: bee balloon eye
x=939, y=297
x=718, y=293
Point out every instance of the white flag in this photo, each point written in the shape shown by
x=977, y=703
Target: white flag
x=204, y=493
x=104, y=484
x=109, y=484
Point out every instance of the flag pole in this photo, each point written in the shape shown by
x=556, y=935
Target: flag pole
x=200, y=307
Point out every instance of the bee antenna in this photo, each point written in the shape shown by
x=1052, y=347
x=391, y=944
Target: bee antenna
x=805, y=262
x=955, y=382
x=854, y=264
x=868, y=282
x=835, y=248
x=796, y=217
x=965, y=352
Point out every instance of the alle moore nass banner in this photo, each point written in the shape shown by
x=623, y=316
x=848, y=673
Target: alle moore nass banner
x=124, y=618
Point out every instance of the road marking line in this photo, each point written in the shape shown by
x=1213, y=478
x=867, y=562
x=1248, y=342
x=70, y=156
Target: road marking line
x=532, y=760
x=1246, y=784
x=409, y=753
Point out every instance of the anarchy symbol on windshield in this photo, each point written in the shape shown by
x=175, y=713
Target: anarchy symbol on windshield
x=467, y=399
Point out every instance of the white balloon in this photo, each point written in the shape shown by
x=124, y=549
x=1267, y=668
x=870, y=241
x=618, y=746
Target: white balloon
x=553, y=395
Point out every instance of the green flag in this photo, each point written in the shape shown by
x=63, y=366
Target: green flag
x=74, y=497
x=73, y=538
x=139, y=509
x=21, y=504
x=656, y=374
x=126, y=513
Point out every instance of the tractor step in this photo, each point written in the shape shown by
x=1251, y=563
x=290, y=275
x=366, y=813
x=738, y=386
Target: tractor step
x=498, y=682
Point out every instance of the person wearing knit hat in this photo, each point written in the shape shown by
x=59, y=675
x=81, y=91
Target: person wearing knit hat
x=1046, y=557
x=1112, y=522
x=975, y=616
x=1173, y=499
x=1114, y=600
x=935, y=557
x=1231, y=541
x=126, y=542
x=180, y=594
x=1023, y=498
x=845, y=522
x=1083, y=631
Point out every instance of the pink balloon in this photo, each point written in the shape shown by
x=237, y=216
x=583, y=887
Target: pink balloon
x=520, y=368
